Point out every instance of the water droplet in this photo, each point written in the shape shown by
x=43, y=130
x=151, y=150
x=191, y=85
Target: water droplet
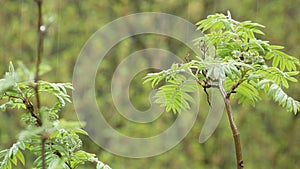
x=43, y=28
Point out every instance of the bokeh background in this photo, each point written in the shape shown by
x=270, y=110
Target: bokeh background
x=270, y=136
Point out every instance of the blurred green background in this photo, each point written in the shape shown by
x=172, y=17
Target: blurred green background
x=270, y=136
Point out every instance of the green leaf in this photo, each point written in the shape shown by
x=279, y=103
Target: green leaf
x=3, y=153
x=38, y=161
x=278, y=76
x=20, y=157
x=276, y=47
x=56, y=89
x=100, y=165
x=11, y=155
x=245, y=92
x=155, y=78
x=279, y=95
x=282, y=60
x=293, y=73
x=80, y=131
x=176, y=97
x=56, y=163
x=8, y=165
x=272, y=90
x=14, y=159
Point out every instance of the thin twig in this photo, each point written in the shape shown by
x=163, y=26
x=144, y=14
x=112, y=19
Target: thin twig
x=233, y=87
x=234, y=129
x=39, y=51
x=43, y=152
x=40, y=45
x=236, y=85
x=236, y=135
x=30, y=108
x=207, y=96
x=205, y=85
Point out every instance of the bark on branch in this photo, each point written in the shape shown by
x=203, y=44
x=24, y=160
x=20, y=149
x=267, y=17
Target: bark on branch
x=40, y=45
x=234, y=129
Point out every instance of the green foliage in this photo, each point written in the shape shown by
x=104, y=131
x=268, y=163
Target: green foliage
x=275, y=91
x=231, y=53
x=279, y=17
x=12, y=155
x=175, y=93
x=62, y=142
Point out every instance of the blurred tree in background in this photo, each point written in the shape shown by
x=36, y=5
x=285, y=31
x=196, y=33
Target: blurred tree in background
x=269, y=134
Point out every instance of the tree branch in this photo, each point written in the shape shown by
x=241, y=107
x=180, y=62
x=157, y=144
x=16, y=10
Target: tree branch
x=39, y=51
x=28, y=104
x=234, y=129
x=236, y=135
x=40, y=45
x=30, y=108
x=233, y=87
x=205, y=86
x=43, y=139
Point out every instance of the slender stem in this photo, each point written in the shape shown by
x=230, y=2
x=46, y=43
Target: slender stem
x=30, y=108
x=39, y=51
x=40, y=45
x=234, y=129
x=233, y=87
x=43, y=139
x=236, y=135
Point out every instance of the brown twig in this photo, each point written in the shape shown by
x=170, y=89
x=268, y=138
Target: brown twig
x=236, y=135
x=30, y=108
x=39, y=51
x=233, y=87
x=226, y=96
x=234, y=129
x=236, y=85
x=28, y=104
x=43, y=152
x=40, y=45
